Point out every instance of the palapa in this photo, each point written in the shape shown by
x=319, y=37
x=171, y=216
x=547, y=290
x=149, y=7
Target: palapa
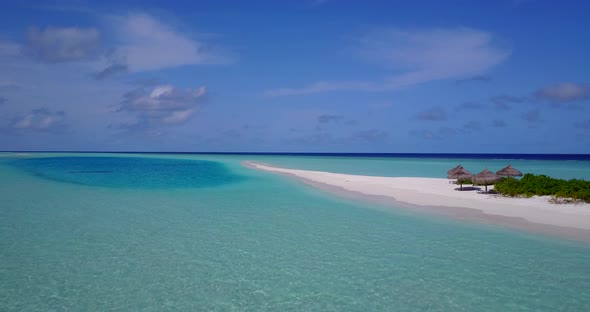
x=458, y=171
x=508, y=171
x=455, y=169
x=486, y=178
x=461, y=174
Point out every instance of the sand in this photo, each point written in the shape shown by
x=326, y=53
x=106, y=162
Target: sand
x=438, y=196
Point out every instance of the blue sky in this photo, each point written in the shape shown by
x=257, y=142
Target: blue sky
x=296, y=76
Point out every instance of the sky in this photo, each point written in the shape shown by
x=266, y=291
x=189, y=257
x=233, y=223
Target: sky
x=505, y=76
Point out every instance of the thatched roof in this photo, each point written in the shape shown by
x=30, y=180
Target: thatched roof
x=455, y=169
x=509, y=172
x=459, y=173
x=486, y=177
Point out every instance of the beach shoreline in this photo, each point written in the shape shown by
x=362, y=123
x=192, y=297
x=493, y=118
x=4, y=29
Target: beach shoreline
x=436, y=196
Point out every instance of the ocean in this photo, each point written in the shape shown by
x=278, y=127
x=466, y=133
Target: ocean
x=201, y=232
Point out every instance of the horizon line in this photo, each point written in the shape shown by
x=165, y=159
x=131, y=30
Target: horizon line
x=369, y=154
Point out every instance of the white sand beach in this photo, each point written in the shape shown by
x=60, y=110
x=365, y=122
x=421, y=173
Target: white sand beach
x=438, y=196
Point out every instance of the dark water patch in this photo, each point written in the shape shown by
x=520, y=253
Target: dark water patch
x=130, y=172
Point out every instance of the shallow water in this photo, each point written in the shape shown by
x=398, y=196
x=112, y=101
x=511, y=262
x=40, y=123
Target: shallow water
x=430, y=167
x=257, y=241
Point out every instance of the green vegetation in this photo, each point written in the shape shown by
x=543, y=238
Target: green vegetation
x=464, y=181
x=530, y=185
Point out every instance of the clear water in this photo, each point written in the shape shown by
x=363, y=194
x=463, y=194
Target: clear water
x=129, y=172
x=261, y=242
x=430, y=167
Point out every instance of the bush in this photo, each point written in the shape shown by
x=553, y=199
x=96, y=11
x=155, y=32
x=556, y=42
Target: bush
x=541, y=185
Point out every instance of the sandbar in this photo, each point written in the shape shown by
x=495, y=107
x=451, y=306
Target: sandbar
x=438, y=196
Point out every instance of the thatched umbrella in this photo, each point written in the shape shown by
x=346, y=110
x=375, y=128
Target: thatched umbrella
x=486, y=178
x=461, y=174
x=455, y=169
x=509, y=172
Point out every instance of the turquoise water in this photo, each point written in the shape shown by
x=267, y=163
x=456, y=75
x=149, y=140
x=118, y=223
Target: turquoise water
x=254, y=241
x=129, y=172
x=429, y=167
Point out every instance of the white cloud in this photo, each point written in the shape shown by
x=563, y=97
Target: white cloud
x=148, y=44
x=110, y=70
x=55, y=45
x=420, y=55
x=178, y=117
x=162, y=98
x=327, y=86
x=564, y=92
x=40, y=120
x=162, y=105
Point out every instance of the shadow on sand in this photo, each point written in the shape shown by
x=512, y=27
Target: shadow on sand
x=468, y=188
